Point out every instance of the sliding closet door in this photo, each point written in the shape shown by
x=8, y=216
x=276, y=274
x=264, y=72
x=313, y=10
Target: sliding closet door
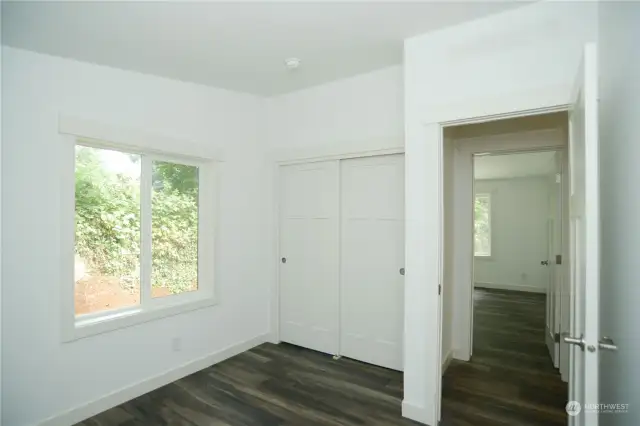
x=309, y=196
x=372, y=256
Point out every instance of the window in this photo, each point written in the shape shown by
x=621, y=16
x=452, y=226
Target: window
x=482, y=225
x=142, y=226
x=174, y=228
x=107, y=234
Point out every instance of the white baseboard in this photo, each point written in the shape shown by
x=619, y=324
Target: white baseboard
x=551, y=341
x=272, y=338
x=446, y=361
x=113, y=399
x=525, y=288
x=414, y=412
x=461, y=355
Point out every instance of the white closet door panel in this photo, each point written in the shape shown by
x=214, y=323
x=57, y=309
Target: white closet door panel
x=309, y=240
x=372, y=254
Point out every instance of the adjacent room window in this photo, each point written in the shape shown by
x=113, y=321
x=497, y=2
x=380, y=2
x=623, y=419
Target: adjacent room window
x=139, y=223
x=482, y=225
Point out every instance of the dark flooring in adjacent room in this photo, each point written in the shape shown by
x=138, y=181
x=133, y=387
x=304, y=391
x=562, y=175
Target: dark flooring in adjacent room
x=510, y=381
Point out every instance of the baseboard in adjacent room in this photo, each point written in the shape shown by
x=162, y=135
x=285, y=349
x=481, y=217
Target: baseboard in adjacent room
x=446, y=361
x=460, y=355
x=497, y=286
x=551, y=342
x=78, y=414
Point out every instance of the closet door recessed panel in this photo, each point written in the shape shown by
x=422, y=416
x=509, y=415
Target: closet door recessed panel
x=372, y=256
x=309, y=259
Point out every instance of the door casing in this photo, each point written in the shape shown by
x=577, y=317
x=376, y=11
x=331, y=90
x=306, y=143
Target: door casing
x=430, y=412
x=540, y=140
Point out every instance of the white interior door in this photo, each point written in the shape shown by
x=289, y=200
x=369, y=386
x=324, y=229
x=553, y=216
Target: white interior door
x=372, y=256
x=585, y=242
x=564, y=314
x=558, y=259
x=555, y=261
x=550, y=296
x=309, y=291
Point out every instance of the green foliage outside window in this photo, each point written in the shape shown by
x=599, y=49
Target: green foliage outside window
x=108, y=221
x=174, y=226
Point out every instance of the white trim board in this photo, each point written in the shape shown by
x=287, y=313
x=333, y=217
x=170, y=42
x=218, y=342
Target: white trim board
x=338, y=152
x=124, y=137
x=543, y=100
x=512, y=287
x=414, y=412
x=118, y=397
x=528, y=140
x=447, y=360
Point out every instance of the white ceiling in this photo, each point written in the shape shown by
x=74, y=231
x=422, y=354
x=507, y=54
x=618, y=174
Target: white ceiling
x=514, y=165
x=238, y=46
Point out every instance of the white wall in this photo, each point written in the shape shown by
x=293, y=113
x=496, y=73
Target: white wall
x=365, y=110
x=42, y=376
x=619, y=32
x=523, y=59
x=519, y=234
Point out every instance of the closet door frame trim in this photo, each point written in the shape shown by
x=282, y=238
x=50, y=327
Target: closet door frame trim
x=299, y=157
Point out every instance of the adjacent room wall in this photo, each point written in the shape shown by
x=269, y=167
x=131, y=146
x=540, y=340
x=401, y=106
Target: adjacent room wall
x=522, y=59
x=619, y=92
x=519, y=234
x=44, y=377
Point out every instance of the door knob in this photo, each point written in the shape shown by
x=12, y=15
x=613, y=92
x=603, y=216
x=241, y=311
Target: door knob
x=607, y=344
x=544, y=262
x=401, y=271
x=578, y=341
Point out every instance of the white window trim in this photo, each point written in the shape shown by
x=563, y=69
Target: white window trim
x=490, y=255
x=76, y=327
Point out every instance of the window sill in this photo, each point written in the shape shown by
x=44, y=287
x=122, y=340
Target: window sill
x=483, y=257
x=90, y=325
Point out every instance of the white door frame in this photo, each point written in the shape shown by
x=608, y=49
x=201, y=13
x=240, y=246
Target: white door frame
x=551, y=139
x=293, y=156
x=424, y=244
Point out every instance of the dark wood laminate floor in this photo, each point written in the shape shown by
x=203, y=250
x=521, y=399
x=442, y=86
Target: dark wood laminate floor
x=510, y=381
x=267, y=386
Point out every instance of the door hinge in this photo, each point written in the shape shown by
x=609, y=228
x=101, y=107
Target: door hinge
x=439, y=289
x=556, y=337
x=558, y=259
